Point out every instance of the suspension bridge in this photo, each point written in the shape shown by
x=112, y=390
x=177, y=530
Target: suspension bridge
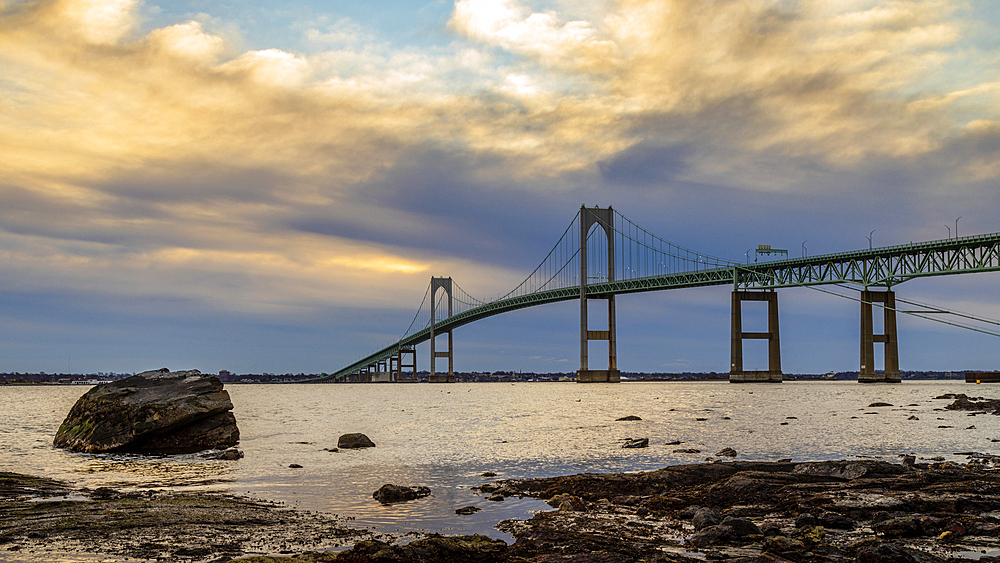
x=602, y=254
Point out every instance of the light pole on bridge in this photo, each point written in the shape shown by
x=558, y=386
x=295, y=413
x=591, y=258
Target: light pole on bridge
x=956, y=226
x=869, y=237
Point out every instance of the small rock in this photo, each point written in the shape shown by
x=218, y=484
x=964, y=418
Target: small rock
x=629, y=417
x=575, y=503
x=783, y=544
x=466, y=510
x=701, y=419
x=909, y=460
x=389, y=493
x=880, y=404
x=228, y=454
x=726, y=452
x=495, y=497
x=913, y=417
x=294, y=466
x=711, y=535
x=805, y=519
x=784, y=424
x=678, y=442
x=742, y=527
x=705, y=517
x=333, y=450
x=355, y=440
x=636, y=443
x=488, y=474
x=835, y=521
x=687, y=451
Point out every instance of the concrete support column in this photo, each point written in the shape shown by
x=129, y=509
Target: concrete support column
x=868, y=338
x=605, y=219
x=736, y=372
x=400, y=365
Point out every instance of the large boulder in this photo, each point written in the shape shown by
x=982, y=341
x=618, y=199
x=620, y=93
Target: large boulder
x=157, y=412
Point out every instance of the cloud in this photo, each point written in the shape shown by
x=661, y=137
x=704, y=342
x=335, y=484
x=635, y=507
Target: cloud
x=170, y=162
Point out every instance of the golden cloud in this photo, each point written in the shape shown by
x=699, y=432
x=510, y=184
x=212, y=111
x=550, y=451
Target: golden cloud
x=175, y=148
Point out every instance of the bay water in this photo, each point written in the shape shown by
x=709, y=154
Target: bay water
x=445, y=436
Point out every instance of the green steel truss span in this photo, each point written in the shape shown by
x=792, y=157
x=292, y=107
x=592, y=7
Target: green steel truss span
x=878, y=267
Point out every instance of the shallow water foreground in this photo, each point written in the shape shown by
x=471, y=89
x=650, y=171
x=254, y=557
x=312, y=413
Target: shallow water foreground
x=445, y=436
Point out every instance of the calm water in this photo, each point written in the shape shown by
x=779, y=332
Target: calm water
x=444, y=436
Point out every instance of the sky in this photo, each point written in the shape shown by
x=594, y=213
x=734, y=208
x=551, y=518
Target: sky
x=268, y=186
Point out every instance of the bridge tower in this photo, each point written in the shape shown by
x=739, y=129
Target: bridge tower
x=446, y=285
x=605, y=219
x=888, y=338
x=737, y=374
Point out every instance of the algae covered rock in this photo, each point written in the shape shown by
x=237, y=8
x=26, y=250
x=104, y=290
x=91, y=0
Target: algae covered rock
x=354, y=440
x=155, y=412
x=389, y=493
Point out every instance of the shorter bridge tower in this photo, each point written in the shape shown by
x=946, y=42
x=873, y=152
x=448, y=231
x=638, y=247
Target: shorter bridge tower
x=605, y=219
x=446, y=285
x=773, y=374
x=888, y=338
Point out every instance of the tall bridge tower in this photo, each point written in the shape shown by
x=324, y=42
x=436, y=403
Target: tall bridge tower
x=604, y=218
x=446, y=285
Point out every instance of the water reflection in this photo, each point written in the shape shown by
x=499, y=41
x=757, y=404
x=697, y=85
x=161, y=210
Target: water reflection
x=445, y=436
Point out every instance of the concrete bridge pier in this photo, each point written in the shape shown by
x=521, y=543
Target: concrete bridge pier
x=398, y=374
x=434, y=377
x=888, y=338
x=773, y=374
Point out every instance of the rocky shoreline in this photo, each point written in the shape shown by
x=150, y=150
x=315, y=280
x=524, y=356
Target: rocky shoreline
x=43, y=519
x=916, y=511
x=739, y=511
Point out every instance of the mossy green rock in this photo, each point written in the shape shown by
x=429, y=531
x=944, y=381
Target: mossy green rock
x=159, y=411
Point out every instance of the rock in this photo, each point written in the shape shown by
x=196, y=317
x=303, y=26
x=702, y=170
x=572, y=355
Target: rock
x=889, y=553
x=783, y=544
x=228, y=454
x=880, y=404
x=466, y=510
x=805, y=519
x=355, y=440
x=389, y=493
x=294, y=466
x=913, y=417
x=478, y=549
x=636, y=443
x=742, y=527
x=488, y=474
x=711, y=535
x=907, y=526
x=687, y=451
x=629, y=417
x=495, y=497
x=836, y=521
x=726, y=452
x=157, y=412
x=575, y=503
x=705, y=517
